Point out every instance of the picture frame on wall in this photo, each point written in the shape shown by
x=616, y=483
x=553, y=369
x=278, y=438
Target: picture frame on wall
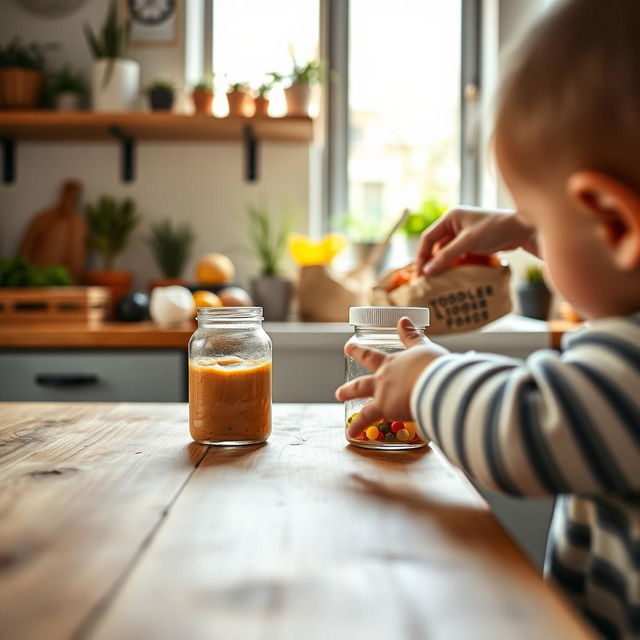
x=154, y=23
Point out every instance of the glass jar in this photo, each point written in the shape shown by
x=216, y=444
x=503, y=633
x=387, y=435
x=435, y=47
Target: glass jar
x=375, y=328
x=229, y=377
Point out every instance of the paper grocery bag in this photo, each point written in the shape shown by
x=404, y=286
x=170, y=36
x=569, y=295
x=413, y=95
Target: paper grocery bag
x=326, y=296
x=463, y=298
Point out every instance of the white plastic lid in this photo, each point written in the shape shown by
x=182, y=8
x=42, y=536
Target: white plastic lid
x=387, y=317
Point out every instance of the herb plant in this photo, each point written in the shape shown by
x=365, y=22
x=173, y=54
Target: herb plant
x=267, y=241
x=171, y=246
x=109, y=225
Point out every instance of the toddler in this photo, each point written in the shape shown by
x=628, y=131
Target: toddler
x=567, y=142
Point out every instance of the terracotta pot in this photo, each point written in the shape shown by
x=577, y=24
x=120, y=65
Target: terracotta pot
x=298, y=97
x=240, y=104
x=262, y=106
x=202, y=102
x=20, y=88
x=118, y=283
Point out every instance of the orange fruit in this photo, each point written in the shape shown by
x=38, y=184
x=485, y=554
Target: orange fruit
x=214, y=268
x=206, y=299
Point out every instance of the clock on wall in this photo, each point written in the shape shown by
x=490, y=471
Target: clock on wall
x=151, y=12
x=51, y=8
x=153, y=22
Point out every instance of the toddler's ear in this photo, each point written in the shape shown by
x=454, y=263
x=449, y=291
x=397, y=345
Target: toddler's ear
x=616, y=210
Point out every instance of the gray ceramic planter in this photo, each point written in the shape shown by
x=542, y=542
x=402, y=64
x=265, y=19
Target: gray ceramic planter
x=273, y=294
x=534, y=299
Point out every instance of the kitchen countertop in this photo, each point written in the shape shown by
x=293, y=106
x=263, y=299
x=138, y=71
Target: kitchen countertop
x=512, y=330
x=115, y=525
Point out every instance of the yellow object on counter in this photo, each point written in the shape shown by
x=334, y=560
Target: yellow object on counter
x=307, y=252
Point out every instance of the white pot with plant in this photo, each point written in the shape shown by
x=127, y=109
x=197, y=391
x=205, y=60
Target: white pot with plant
x=115, y=80
x=68, y=87
x=298, y=93
x=417, y=221
x=534, y=296
x=269, y=290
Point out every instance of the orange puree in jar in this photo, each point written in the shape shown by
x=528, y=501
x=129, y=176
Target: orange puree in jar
x=230, y=401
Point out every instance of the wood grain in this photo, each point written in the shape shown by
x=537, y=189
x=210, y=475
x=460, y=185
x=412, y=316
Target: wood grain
x=307, y=538
x=87, y=125
x=82, y=488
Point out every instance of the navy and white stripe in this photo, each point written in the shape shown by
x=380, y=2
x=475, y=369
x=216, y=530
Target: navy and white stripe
x=558, y=424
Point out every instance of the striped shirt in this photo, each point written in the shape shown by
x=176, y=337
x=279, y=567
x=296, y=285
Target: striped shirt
x=557, y=424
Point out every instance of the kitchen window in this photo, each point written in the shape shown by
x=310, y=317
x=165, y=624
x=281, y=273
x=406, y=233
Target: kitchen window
x=392, y=114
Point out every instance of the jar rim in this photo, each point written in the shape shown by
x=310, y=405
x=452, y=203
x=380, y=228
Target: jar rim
x=213, y=314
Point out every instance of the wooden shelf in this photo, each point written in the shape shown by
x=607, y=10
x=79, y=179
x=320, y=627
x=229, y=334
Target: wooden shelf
x=129, y=127
x=87, y=125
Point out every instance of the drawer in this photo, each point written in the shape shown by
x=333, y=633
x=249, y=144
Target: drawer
x=93, y=376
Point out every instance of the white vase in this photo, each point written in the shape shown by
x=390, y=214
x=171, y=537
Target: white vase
x=67, y=101
x=298, y=97
x=115, y=88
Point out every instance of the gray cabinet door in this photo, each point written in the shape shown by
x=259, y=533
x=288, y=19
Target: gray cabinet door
x=101, y=375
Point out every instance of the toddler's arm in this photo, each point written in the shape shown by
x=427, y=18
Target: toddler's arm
x=550, y=425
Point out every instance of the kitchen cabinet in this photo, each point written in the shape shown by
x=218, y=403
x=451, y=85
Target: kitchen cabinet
x=123, y=375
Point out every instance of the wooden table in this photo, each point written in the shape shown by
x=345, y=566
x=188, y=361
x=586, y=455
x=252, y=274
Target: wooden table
x=113, y=524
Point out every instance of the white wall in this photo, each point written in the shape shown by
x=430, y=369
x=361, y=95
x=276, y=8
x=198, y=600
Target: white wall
x=198, y=182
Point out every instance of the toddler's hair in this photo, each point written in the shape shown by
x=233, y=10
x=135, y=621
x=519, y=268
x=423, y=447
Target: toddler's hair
x=571, y=95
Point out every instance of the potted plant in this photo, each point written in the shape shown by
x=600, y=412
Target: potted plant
x=269, y=289
x=171, y=247
x=298, y=93
x=533, y=295
x=114, y=78
x=161, y=94
x=22, y=73
x=364, y=235
x=68, y=87
x=417, y=221
x=239, y=99
x=202, y=96
x=109, y=225
x=261, y=101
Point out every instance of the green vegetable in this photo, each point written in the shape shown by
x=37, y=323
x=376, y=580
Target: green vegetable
x=19, y=272
x=430, y=210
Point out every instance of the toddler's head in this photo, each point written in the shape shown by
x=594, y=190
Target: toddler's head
x=568, y=146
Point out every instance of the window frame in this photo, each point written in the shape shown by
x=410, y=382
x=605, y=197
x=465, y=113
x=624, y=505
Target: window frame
x=333, y=123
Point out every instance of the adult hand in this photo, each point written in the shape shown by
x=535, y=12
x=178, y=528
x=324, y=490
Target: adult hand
x=393, y=377
x=471, y=230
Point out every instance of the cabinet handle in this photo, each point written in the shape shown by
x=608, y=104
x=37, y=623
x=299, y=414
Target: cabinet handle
x=65, y=379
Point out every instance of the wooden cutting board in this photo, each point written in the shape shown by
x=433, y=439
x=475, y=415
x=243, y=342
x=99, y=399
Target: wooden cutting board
x=58, y=235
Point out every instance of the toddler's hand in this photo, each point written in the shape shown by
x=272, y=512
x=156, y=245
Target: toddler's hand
x=471, y=230
x=393, y=379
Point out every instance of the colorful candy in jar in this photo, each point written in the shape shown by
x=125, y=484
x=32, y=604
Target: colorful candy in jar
x=391, y=431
